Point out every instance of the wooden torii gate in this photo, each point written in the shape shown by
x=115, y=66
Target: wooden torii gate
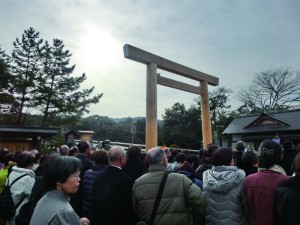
x=153, y=62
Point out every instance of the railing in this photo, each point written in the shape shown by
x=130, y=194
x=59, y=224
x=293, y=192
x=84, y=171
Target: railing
x=98, y=144
x=126, y=145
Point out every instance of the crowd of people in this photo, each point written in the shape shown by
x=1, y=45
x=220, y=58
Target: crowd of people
x=218, y=186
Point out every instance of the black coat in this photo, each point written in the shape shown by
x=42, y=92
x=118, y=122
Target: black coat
x=76, y=200
x=112, y=204
x=87, y=182
x=287, y=202
x=134, y=168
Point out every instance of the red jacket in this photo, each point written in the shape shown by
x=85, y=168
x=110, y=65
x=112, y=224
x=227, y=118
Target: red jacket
x=260, y=190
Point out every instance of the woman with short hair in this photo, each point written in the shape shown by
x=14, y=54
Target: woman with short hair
x=260, y=187
x=61, y=179
x=223, y=189
x=101, y=161
x=21, y=189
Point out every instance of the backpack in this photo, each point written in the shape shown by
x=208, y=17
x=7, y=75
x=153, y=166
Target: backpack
x=26, y=211
x=7, y=206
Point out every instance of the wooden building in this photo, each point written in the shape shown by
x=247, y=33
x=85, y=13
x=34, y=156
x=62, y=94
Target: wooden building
x=253, y=129
x=16, y=138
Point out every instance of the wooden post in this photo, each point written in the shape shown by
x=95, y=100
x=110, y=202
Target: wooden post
x=151, y=106
x=206, y=125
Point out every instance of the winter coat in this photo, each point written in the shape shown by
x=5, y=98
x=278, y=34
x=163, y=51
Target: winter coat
x=181, y=202
x=134, y=168
x=223, y=189
x=54, y=208
x=87, y=183
x=21, y=188
x=112, y=198
x=76, y=200
x=287, y=200
x=260, y=191
x=3, y=177
x=287, y=161
x=192, y=178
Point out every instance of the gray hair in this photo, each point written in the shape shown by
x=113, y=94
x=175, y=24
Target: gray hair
x=115, y=153
x=155, y=155
x=64, y=150
x=34, y=151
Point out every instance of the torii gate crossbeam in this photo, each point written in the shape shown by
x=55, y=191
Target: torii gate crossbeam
x=153, y=62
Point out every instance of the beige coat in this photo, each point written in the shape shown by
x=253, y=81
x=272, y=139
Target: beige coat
x=182, y=201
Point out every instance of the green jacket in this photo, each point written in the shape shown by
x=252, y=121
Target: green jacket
x=3, y=177
x=182, y=201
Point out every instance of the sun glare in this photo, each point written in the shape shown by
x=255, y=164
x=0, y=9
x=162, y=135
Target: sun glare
x=98, y=50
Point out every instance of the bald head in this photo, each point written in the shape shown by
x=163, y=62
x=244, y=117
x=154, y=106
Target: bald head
x=115, y=153
x=156, y=156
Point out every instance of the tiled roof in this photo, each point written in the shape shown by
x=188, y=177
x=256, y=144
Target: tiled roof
x=290, y=121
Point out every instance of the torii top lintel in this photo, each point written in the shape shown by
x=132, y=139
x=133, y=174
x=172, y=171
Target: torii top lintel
x=139, y=55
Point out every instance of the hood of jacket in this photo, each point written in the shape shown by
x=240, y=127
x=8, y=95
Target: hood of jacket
x=222, y=178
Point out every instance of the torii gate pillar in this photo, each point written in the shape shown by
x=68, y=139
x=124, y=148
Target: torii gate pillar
x=151, y=106
x=153, y=62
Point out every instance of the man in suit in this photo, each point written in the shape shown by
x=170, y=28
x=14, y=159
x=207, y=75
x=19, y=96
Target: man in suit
x=112, y=191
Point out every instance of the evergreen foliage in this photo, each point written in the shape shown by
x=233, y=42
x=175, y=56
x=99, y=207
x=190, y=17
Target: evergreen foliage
x=38, y=80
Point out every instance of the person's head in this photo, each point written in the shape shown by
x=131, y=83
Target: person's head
x=7, y=158
x=34, y=151
x=211, y=149
x=62, y=173
x=143, y=156
x=3, y=152
x=240, y=146
x=270, y=153
x=157, y=156
x=84, y=148
x=186, y=166
x=38, y=157
x=180, y=157
x=117, y=156
x=134, y=152
x=73, y=151
x=100, y=157
x=186, y=169
x=167, y=150
x=25, y=159
x=296, y=164
x=64, y=150
x=287, y=146
x=250, y=158
x=174, y=153
x=193, y=160
x=223, y=157
x=186, y=152
x=43, y=159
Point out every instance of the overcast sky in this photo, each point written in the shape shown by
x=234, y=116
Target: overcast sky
x=230, y=39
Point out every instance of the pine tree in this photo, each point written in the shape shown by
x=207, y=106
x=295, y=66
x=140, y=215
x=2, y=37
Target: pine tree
x=58, y=91
x=25, y=69
x=7, y=99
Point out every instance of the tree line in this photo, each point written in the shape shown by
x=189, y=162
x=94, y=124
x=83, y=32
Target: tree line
x=37, y=79
x=38, y=88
